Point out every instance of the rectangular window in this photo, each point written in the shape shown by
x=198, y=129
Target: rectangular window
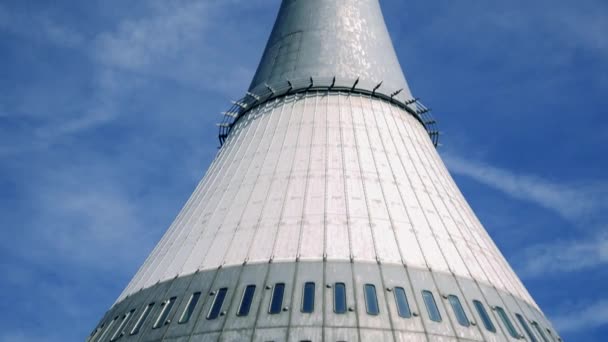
x=524, y=324
x=485, y=318
x=164, y=312
x=276, y=300
x=246, y=301
x=540, y=331
x=125, y=319
x=105, y=332
x=431, y=306
x=218, y=301
x=308, y=298
x=142, y=319
x=339, y=298
x=371, y=300
x=507, y=322
x=403, y=307
x=461, y=316
x=189, y=310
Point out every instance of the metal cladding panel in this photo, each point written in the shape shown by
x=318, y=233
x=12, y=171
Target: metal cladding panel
x=423, y=281
x=308, y=272
x=177, y=289
x=236, y=336
x=396, y=276
x=494, y=299
x=305, y=334
x=277, y=273
x=225, y=278
x=368, y=273
x=156, y=296
x=401, y=336
x=471, y=292
x=376, y=335
x=339, y=272
x=266, y=335
x=324, y=38
x=448, y=285
x=201, y=282
x=251, y=275
x=211, y=337
x=341, y=334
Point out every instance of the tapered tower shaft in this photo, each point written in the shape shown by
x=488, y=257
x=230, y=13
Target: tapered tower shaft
x=327, y=214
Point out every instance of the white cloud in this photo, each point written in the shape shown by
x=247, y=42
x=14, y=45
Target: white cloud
x=578, y=204
x=39, y=26
x=563, y=256
x=173, y=41
x=573, y=202
x=586, y=316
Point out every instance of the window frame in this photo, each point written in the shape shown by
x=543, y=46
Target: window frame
x=371, y=298
x=504, y=317
x=429, y=298
x=485, y=316
x=540, y=331
x=108, y=328
x=400, y=289
x=142, y=319
x=272, y=309
x=118, y=334
x=165, y=310
x=190, y=307
x=524, y=324
x=461, y=314
x=342, y=286
x=245, y=304
x=215, y=310
x=306, y=294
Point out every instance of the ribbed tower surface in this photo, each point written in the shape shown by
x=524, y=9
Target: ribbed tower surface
x=327, y=215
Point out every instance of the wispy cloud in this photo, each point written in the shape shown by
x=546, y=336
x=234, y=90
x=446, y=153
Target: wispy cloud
x=572, y=202
x=39, y=26
x=577, y=204
x=171, y=42
x=563, y=256
x=584, y=316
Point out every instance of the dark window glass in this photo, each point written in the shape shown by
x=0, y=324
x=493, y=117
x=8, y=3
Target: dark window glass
x=461, y=316
x=339, y=298
x=276, y=302
x=371, y=300
x=540, y=331
x=218, y=301
x=308, y=298
x=507, y=322
x=246, y=300
x=164, y=312
x=403, y=307
x=524, y=324
x=431, y=306
x=189, y=310
x=485, y=318
x=125, y=319
x=142, y=319
x=550, y=335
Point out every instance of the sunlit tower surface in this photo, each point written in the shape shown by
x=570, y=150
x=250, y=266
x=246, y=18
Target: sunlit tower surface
x=327, y=214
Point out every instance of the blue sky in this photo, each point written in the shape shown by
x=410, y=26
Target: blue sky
x=107, y=122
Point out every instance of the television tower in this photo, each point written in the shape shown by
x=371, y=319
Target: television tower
x=327, y=214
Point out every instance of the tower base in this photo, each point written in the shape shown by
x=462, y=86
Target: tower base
x=371, y=308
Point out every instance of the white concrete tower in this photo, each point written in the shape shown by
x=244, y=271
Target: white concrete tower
x=327, y=215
